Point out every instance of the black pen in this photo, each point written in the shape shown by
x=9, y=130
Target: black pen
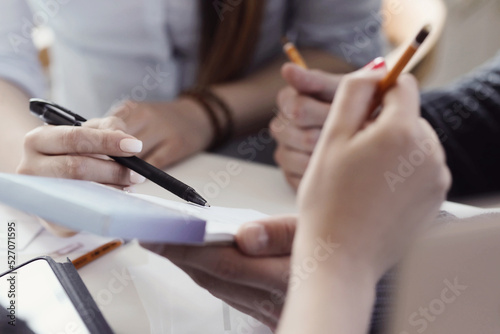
x=53, y=114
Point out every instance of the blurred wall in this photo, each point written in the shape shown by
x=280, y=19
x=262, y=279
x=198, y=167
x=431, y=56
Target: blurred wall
x=471, y=37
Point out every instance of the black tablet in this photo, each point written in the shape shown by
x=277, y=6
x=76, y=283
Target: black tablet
x=42, y=296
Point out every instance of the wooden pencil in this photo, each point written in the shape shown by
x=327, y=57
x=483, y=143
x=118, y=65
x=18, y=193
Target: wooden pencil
x=293, y=54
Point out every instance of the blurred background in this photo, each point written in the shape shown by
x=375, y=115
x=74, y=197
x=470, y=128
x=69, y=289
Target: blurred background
x=468, y=36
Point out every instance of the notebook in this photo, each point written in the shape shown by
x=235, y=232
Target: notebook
x=105, y=211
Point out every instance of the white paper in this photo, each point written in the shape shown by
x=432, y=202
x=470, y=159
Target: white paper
x=91, y=207
x=222, y=223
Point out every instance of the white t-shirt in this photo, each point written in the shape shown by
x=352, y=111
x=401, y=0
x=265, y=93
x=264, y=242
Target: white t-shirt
x=106, y=51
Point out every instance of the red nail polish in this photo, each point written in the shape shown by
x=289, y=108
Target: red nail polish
x=375, y=64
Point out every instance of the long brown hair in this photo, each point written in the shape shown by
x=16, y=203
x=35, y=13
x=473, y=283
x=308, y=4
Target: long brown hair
x=229, y=37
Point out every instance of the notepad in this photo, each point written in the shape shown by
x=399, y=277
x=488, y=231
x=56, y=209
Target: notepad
x=105, y=211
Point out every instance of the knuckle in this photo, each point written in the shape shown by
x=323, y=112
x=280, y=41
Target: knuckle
x=299, y=111
x=277, y=126
x=24, y=168
x=109, y=141
x=409, y=81
x=32, y=137
x=445, y=179
x=146, y=111
x=169, y=153
x=288, y=105
x=113, y=123
x=119, y=174
x=124, y=108
x=359, y=80
x=400, y=135
x=282, y=97
x=70, y=137
x=310, y=138
x=76, y=167
x=352, y=80
x=278, y=156
x=285, y=94
x=406, y=130
x=303, y=162
x=318, y=73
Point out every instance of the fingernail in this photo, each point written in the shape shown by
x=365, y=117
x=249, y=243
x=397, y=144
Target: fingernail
x=129, y=145
x=375, y=64
x=255, y=238
x=136, y=178
x=130, y=190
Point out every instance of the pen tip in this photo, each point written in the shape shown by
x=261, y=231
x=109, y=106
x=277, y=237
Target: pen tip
x=422, y=35
x=284, y=40
x=196, y=198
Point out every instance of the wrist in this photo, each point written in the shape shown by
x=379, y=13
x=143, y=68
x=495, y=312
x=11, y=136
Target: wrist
x=217, y=111
x=334, y=282
x=197, y=116
x=332, y=255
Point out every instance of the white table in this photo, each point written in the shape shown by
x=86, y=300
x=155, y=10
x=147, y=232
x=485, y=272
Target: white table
x=231, y=183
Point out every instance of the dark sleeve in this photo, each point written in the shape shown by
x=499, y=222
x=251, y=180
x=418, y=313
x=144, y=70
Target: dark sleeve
x=466, y=117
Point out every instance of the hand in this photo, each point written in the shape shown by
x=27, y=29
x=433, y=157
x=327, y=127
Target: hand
x=303, y=108
x=170, y=131
x=252, y=277
x=370, y=186
x=81, y=152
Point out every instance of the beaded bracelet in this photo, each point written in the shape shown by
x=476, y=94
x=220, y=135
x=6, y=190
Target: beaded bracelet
x=229, y=128
x=207, y=99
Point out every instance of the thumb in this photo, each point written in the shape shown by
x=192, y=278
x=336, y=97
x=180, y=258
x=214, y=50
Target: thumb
x=312, y=82
x=267, y=237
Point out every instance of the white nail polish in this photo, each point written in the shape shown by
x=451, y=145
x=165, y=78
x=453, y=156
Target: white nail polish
x=136, y=178
x=130, y=145
x=255, y=237
x=130, y=190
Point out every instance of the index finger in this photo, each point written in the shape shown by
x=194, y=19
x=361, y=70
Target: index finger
x=228, y=264
x=313, y=82
x=401, y=102
x=107, y=123
x=352, y=104
x=60, y=140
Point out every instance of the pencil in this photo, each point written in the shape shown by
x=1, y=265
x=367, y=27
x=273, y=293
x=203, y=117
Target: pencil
x=96, y=253
x=293, y=54
x=391, y=77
